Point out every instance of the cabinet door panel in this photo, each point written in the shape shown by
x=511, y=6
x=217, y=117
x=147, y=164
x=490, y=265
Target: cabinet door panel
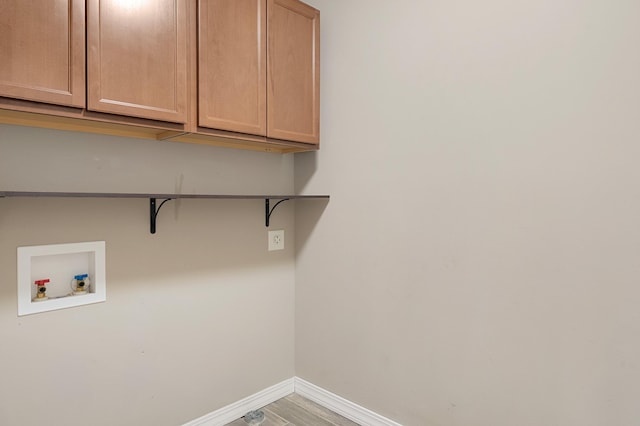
x=232, y=65
x=42, y=49
x=137, y=58
x=293, y=73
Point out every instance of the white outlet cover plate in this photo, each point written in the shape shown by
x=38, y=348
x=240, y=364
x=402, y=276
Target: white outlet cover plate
x=276, y=240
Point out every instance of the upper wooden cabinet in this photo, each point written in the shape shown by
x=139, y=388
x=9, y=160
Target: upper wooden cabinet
x=235, y=73
x=232, y=65
x=293, y=83
x=42, y=45
x=259, y=66
x=138, y=58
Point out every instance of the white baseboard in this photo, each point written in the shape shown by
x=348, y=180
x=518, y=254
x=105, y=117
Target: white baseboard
x=329, y=400
x=340, y=405
x=238, y=409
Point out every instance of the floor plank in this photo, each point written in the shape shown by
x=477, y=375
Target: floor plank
x=320, y=411
x=295, y=414
x=270, y=419
x=295, y=410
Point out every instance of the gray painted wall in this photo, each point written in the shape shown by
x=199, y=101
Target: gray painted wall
x=197, y=316
x=478, y=263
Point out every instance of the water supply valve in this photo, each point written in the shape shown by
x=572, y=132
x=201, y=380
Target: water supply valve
x=80, y=284
x=42, y=290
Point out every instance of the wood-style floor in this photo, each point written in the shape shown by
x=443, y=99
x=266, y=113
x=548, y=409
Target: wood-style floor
x=294, y=410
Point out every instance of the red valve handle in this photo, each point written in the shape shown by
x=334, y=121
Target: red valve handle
x=42, y=282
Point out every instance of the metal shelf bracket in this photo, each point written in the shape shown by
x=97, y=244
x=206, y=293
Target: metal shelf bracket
x=267, y=211
x=153, y=212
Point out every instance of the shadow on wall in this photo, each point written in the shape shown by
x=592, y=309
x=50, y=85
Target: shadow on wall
x=308, y=215
x=306, y=164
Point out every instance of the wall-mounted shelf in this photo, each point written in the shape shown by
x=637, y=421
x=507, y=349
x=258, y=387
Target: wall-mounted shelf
x=153, y=210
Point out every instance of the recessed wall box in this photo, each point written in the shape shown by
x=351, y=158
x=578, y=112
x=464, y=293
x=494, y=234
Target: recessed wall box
x=60, y=264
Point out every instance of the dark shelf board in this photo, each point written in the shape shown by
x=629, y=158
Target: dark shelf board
x=157, y=196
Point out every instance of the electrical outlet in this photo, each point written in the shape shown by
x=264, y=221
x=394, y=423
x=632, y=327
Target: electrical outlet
x=276, y=240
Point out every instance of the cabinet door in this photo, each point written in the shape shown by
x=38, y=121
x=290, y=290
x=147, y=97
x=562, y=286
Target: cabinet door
x=293, y=73
x=137, y=58
x=42, y=51
x=232, y=65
